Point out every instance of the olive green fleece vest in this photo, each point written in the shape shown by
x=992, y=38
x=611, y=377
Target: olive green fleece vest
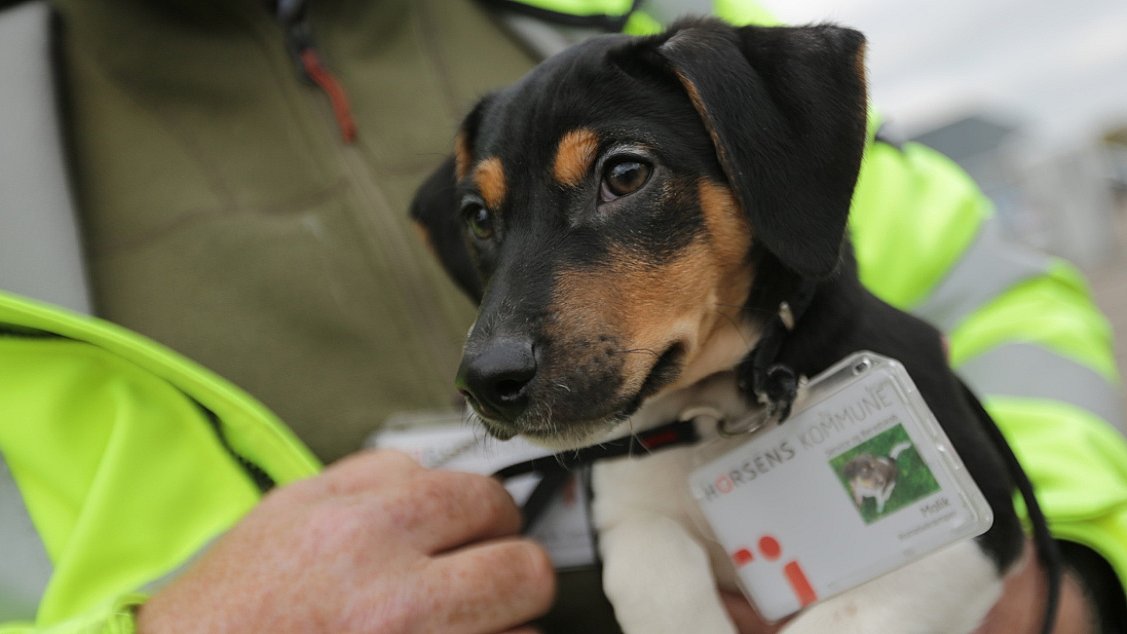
x=225, y=218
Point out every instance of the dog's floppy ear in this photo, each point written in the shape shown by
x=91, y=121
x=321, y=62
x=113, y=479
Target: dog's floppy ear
x=436, y=211
x=786, y=109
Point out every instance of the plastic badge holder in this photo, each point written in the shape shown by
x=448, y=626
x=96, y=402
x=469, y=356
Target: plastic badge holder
x=805, y=511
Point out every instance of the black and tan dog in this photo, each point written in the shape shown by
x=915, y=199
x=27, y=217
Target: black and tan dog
x=630, y=216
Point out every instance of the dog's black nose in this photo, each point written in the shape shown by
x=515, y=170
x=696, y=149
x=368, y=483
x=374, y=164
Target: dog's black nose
x=495, y=377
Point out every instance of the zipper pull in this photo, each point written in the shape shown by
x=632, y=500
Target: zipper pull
x=327, y=82
x=299, y=42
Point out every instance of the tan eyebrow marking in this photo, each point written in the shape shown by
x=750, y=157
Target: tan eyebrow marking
x=462, y=155
x=574, y=155
x=490, y=178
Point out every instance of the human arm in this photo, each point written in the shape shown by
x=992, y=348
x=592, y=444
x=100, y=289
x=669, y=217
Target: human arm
x=375, y=544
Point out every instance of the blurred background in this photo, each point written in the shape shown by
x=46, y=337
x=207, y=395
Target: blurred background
x=1030, y=97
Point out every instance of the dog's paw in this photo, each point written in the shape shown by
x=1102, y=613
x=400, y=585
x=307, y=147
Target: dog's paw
x=656, y=574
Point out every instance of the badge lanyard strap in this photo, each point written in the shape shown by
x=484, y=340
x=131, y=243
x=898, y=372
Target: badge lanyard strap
x=1047, y=550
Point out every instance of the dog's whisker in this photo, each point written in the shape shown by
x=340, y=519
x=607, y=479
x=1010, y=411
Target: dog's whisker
x=560, y=461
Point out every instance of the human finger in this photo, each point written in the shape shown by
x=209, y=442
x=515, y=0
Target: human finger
x=490, y=587
x=746, y=619
x=368, y=470
x=442, y=510
x=1027, y=585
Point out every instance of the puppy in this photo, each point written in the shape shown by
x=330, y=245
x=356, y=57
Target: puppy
x=630, y=216
x=874, y=477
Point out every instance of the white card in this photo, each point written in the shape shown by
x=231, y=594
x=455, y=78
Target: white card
x=443, y=441
x=859, y=481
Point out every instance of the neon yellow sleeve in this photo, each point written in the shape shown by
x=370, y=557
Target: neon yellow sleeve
x=116, y=618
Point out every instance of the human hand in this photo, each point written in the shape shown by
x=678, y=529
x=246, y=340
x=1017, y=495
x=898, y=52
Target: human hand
x=1012, y=614
x=374, y=544
x=1023, y=596
x=745, y=617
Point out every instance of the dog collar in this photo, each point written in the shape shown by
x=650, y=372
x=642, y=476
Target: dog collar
x=774, y=384
x=780, y=325
x=554, y=468
x=669, y=435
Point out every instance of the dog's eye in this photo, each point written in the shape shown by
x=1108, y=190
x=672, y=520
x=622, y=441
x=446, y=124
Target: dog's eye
x=623, y=177
x=478, y=219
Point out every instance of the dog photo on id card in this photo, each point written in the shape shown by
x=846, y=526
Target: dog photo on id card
x=884, y=474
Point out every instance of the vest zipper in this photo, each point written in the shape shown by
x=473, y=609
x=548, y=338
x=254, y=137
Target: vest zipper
x=257, y=474
x=385, y=232
x=294, y=18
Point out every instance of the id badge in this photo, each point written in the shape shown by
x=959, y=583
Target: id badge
x=859, y=481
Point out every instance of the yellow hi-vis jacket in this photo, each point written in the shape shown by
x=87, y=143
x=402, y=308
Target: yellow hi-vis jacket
x=121, y=460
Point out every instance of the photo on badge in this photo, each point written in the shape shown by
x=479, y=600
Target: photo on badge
x=884, y=474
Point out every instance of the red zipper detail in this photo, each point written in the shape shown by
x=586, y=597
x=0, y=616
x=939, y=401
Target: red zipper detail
x=329, y=84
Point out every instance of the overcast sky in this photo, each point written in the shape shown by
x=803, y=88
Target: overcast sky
x=1058, y=67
